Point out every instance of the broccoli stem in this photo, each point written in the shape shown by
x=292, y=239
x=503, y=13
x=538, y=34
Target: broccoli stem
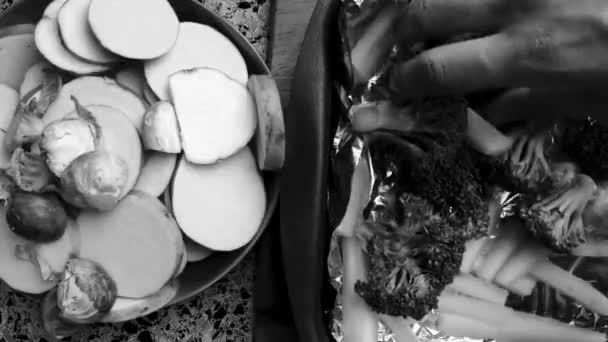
x=571, y=285
x=522, y=286
x=469, y=285
x=560, y=214
x=510, y=324
x=573, y=200
x=520, y=263
x=359, y=196
x=463, y=326
x=400, y=327
x=506, y=242
x=527, y=159
x=359, y=322
x=472, y=249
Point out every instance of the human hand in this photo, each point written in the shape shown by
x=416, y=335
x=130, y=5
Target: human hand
x=551, y=55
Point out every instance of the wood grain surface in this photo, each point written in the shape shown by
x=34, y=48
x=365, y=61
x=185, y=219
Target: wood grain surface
x=289, y=20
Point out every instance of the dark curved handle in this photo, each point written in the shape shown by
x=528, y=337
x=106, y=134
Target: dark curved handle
x=304, y=226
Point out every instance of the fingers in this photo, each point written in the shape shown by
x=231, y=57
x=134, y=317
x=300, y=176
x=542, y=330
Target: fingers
x=456, y=68
x=534, y=53
x=381, y=115
x=545, y=105
x=374, y=45
x=384, y=115
x=484, y=137
x=427, y=19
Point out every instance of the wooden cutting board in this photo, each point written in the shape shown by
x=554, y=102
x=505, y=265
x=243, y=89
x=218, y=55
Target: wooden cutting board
x=289, y=19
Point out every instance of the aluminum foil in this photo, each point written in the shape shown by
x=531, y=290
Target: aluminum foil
x=348, y=149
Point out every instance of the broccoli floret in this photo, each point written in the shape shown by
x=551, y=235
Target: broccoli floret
x=556, y=217
x=445, y=118
x=413, y=254
x=428, y=200
x=443, y=174
x=586, y=142
x=524, y=168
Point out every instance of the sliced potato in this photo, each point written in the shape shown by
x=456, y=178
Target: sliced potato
x=92, y=90
x=156, y=173
x=49, y=43
x=138, y=29
x=9, y=100
x=217, y=52
x=5, y=158
x=77, y=35
x=216, y=114
x=195, y=252
x=270, y=137
x=161, y=132
x=17, y=54
x=125, y=309
x=134, y=242
x=220, y=206
x=52, y=9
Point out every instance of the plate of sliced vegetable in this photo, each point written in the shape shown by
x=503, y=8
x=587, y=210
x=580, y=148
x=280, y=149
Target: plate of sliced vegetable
x=139, y=155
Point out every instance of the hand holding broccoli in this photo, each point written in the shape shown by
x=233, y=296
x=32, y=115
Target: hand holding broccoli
x=544, y=54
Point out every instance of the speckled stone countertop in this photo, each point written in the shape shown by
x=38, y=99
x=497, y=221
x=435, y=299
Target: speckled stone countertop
x=222, y=313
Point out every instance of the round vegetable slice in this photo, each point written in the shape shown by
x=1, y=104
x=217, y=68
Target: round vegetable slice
x=134, y=243
x=9, y=100
x=52, y=9
x=216, y=114
x=125, y=309
x=196, y=252
x=17, y=54
x=161, y=131
x=77, y=35
x=136, y=29
x=270, y=137
x=156, y=173
x=48, y=42
x=217, y=52
x=220, y=206
x=92, y=90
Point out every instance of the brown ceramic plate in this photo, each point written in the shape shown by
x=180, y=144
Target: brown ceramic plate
x=197, y=276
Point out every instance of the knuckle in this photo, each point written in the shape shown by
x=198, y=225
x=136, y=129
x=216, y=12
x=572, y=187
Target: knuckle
x=433, y=70
x=541, y=45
